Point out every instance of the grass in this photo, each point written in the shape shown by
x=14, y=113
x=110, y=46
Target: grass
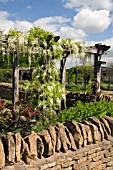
x=105, y=86
x=81, y=88
x=78, y=88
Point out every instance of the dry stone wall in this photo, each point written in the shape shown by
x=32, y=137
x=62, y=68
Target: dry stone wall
x=73, y=97
x=84, y=145
x=6, y=92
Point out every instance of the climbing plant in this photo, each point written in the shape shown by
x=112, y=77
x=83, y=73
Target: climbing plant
x=41, y=48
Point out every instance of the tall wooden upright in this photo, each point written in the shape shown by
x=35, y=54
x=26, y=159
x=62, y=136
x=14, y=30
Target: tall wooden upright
x=101, y=49
x=15, y=83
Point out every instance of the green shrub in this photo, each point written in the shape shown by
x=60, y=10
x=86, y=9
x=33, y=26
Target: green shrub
x=25, y=117
x=6, y=61
x=6, y=75
x=78, y=88
x=83, y=111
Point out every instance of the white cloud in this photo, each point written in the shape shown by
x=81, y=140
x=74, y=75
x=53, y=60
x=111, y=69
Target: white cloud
x=22, y=25
x=5, y=24
x=107, y=4
x=74, y=3
x=28, y=6
x=51, y=24
x=4, y=1
x=93, y=4
x=56, y=24
x=109, y=42
x=92, y=21
x=3, y=15
x=112, y=18
x=70, y=32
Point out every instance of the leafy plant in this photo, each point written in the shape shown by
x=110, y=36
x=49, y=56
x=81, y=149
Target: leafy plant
x=83, y=111
x=25, y=117
x=6, y=75
x=18, y=118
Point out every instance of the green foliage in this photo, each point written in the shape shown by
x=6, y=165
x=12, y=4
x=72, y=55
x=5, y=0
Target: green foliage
x=78, y=88
x=46, y=90
x=105, y=86
x=44, y=120
x=73, y=88
x=83, y=111
x=6, y=61
x=40, y=34
x=6, y=75
x=82, y=74
x=40, y=47
x=14, y=33
x=18, y=118
x=25, y=117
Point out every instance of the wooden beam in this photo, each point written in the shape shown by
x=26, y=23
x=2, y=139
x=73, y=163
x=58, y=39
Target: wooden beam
x=94, y=50
x=101, y=62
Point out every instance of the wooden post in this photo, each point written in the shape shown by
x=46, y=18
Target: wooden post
x=109, y=79
x=98, y=50
x=68, y=76
x=101, y=49
x=63, y=72
x=76, y=75
x=98, y=75
x=95, y=66
x=96, y=87
x=15, y=83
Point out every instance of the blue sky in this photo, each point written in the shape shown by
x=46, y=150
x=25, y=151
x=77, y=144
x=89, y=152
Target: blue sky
x=89, y=21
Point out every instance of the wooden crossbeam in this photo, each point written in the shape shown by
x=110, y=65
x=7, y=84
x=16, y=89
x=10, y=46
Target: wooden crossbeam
x=94, y=50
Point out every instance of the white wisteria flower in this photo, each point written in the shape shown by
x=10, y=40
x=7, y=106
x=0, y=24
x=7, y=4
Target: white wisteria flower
x=54, y=47
x=37, y=76
x=21, y=40
x=45, y=44
x=44, y=106
x=59, y=47
x=49, y=88
x=53, y=84
x=44, y=53
x=63, y=96
x=75, y=48
x=49, y=70
x=50, y=100
x=58, y=101
x=49, y=53
x=25, y=41
x=50, y=77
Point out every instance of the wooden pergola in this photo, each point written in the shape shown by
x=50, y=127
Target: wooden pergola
x=98, y=50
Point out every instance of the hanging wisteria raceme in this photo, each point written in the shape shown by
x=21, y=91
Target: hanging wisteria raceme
x=31, y=45
x=43, y=47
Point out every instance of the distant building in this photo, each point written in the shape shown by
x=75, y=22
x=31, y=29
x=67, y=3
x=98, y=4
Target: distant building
x=106, y=74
